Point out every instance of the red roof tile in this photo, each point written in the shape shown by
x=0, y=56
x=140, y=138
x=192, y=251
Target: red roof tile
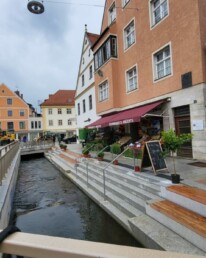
x=92, y=37
x=60, y=98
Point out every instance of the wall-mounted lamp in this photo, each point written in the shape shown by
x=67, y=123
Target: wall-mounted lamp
x=88, y=120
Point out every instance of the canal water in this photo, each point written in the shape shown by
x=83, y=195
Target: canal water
x=47, y=203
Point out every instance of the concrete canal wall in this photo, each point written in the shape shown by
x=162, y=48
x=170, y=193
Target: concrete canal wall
x=7, y=190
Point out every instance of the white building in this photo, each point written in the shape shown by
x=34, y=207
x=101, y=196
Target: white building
x=59, y=114
x=85, y=100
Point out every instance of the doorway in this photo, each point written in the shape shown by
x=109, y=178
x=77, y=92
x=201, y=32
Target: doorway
x=182, y=125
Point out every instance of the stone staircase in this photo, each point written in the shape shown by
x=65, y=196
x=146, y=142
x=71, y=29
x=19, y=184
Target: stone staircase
x=125, y=196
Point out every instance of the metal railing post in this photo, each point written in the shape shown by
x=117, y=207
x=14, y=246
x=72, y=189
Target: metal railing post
x=104, y=170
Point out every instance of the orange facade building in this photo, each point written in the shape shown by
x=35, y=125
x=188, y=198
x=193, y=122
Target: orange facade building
x=14, y=112
x=153, y=51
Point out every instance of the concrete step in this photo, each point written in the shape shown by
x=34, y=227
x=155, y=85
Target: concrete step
x=133, y=196
x=154, y=235
x=182, y=221
x=126, y=182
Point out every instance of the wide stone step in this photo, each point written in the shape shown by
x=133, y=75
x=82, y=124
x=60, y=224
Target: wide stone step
x=188, y=197
x=135, y=202
x=130, y=178
x=184, y=222
x=130, y=194
x=155, y=235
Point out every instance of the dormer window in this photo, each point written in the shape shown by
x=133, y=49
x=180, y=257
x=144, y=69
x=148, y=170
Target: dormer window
x=112, y=13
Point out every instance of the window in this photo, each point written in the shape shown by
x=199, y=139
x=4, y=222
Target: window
x=39, y=124
x=83, y=60
x=21, y=112
x=90, y=72
x=89, y=52
x=106, y=51
x=69, y=111
x=112, y=13
x=103, y=91
x=9, y=101
x=129, y=35
x=78, y=106
x=162, y=63
x=82, y=80
x=10, y=126
x=132, y=79
x=59, y=111
x=69, y=122
x=22, y=125
x=159, y=9
x=90, y=102
x=10, y=112
x=32, y=125
x=50, y=122
x=124, y=2
x=60, y=122
x=35, y=124
x=84, y=105
x=50, y=111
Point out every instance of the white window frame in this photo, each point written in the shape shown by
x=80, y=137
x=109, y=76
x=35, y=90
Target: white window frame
x=50, y=111
x=59, y=111
x=162, y=14
x=131, y=34
x=125, y=2
x=60, y=122
x=103, y=91
x=69, y=110
x=112, y=15
x=22, y=112
x=22, y=125
x=50, y=122
x=90, y=72
x=163, y=63
x=133, y=78
x=69, y=122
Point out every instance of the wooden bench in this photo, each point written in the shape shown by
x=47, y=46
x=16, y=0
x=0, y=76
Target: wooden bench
x=192, y=193
x=189, y=219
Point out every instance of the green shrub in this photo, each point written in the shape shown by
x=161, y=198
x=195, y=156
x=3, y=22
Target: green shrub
x=115, y=148
x=130, y=154
x=100, y=154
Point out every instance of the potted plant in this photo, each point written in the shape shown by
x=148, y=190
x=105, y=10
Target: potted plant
x=100, y=155
x=63, y=146
x=115, y=148
x=171, y=144
x=85, y=153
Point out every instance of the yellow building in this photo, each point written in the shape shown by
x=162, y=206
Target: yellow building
x=14, y=112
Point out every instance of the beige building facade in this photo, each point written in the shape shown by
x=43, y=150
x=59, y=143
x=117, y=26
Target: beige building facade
x=150, y=51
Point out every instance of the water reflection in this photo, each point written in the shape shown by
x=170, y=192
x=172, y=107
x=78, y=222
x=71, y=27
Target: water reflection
x=48, y=203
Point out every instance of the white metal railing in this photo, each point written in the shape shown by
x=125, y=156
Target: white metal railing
x=7, y=154
x=33, y=245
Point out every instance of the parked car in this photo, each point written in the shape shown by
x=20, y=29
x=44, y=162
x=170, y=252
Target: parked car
x=70, y=139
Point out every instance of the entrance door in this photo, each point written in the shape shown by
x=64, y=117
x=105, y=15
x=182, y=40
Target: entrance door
x=182, y=125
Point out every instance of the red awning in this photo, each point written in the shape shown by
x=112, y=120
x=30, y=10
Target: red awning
x=124, y=117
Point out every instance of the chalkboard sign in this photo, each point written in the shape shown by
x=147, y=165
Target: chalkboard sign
x=152, y=156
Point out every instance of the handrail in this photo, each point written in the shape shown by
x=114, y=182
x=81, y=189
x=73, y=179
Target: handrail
x=5, y=160
x=104, y=169
x=90, y=147
x=102, y=149
x=41, y=246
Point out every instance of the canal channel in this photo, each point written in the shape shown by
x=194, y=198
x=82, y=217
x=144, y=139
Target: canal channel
x=47, y=203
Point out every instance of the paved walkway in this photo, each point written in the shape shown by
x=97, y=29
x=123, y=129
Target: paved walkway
x=190, y=170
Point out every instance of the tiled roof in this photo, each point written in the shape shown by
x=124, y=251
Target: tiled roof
x=92, y=37
x=60, y=98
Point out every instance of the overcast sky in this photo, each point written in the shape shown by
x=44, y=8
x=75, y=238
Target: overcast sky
x=40, y=54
